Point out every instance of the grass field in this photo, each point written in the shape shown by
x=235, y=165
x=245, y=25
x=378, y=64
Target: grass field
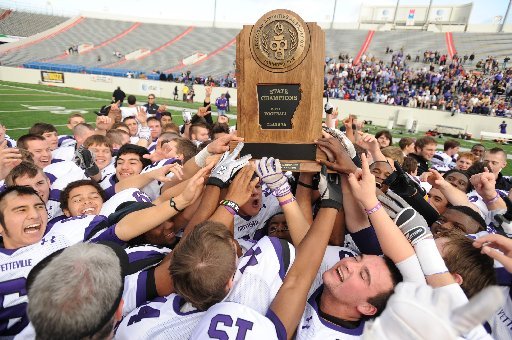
x=22, y=105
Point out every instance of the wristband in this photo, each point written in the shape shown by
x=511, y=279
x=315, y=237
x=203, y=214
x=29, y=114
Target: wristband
x=200, y=158
x=430, y=260
x=309, y=186
x=290, y=200
x=230, y=210
x=374, y=209
x=173, y=205
x=230, y=204
x=492, y=200
x=283, y=190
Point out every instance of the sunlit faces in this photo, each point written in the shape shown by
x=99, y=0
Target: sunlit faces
x=427, y=152
x=84, y=200
x=103, y=155
x=128, y=164
x=453, y=219
x=381, y=170
x=353, y=280
x=278, y=227
x=132, y=126
x=40, y=183
x=253, y=205
x=458, y=180
x=437, y=200
x=495, y=161
x=463, y=163
x=25, y=220
x=52, y=138
x=156, y=128
x=40, y=151
x=201, y=134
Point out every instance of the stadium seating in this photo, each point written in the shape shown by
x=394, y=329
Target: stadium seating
x=24, y=24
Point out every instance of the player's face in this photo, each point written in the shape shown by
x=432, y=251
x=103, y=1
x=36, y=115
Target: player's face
x=279, y=228
x=75, y=121
x=25, y=220
x=128, y=164
x=458, y=180
x=354, y=280
x=40, y=151
x=437, y=200
x=170, y=150
x=201, y=134
x=495, y=162
x=428, y=151
x=103, y=155
x=52, y=138
x=165, y=120
x=84, y=200
x=381, y=171
x=383, y=141
x=156, y=129
x=253, y=205
x=478, y=151
x=453, y=219
x=39, y=183
x=164, y=234
x=132, y=125
x=463, y=163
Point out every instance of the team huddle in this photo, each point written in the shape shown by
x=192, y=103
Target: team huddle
x=140, y=228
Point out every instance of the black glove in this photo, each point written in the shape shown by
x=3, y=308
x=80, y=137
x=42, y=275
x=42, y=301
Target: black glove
x=84, y=158
x=330, y=190
x=401, y=183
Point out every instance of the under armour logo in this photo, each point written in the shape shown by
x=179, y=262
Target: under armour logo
x=253, y=252
x=52, y=240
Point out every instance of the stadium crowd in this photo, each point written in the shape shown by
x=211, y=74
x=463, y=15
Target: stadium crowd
x=141, y=228
x=442, y=83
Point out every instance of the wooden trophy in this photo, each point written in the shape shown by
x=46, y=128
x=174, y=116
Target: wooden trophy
x=280, y=72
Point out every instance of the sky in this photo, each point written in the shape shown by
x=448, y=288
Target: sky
x=245, y=11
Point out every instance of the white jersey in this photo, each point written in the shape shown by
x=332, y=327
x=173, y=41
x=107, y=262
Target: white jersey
x=63, y=170
x=233, y=321
x=67, y=140
x=11, y=143
x=108, y=184
x=169, y=317
x=443, y=162
x=127, y=195
x=63, y=153
x=246, y=227
x=154, y=187
x=15, y=264
x=129, y=111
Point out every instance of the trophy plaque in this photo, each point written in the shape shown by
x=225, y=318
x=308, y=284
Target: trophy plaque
x=280, y=71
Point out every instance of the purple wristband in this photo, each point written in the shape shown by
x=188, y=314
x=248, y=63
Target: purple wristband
x=374, y=209
x=230, y=210
x=493, y=200
x=290, y=200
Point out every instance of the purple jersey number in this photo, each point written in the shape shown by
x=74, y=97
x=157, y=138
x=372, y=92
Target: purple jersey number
x=226, y=320
x=16, y=286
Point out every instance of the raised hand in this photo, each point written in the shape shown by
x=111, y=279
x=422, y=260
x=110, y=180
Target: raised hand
x=362, y=184
x=194, y=187
x=85, y=158
x=330, y=190
x=141, y=115
x=484, y=184
x=162, y=173
x=240, y=190
x=9, y=159
x=227, y=167
x=342, y=162
x=367, y=141
x=104, y=123
x=221, y=145
x=498, y=247
x=269, y=170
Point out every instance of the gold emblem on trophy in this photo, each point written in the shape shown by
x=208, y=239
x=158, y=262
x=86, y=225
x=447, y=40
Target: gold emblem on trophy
x=279, y=41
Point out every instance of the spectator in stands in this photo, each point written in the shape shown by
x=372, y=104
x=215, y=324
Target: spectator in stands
x=503, y=127
x=384, y=138
x=221, y=104
x=496, y=160
x=185, y=90
x=175, y=93
x=407, y=145
x=478, y=150
x=118, y=96
x=424, y=150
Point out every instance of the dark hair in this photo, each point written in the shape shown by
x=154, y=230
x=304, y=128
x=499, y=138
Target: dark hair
x=23, y=140
x=131, y=99
x=219, y=128
x=450, y=144
x=138, y=150
x=166, y=113
x=497, y=150
x=41, y=128
x=64, y=196
x=20, y=190
x=194, y=127
x=185, y=147
x=386, y=134
x=476, y=145
x=379, y=301
x=406, y=141
x=476, y=168
x=451, y=171
x=424, y=141
x=471, y=213
x=25, y=168
x=409, y=165
x=118, y=125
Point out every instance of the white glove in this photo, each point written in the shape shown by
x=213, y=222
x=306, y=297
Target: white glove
x=227, y=167
x=269, y=171
x=421, y=312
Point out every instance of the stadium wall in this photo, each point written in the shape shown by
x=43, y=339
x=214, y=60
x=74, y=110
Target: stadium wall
x=379, y=114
